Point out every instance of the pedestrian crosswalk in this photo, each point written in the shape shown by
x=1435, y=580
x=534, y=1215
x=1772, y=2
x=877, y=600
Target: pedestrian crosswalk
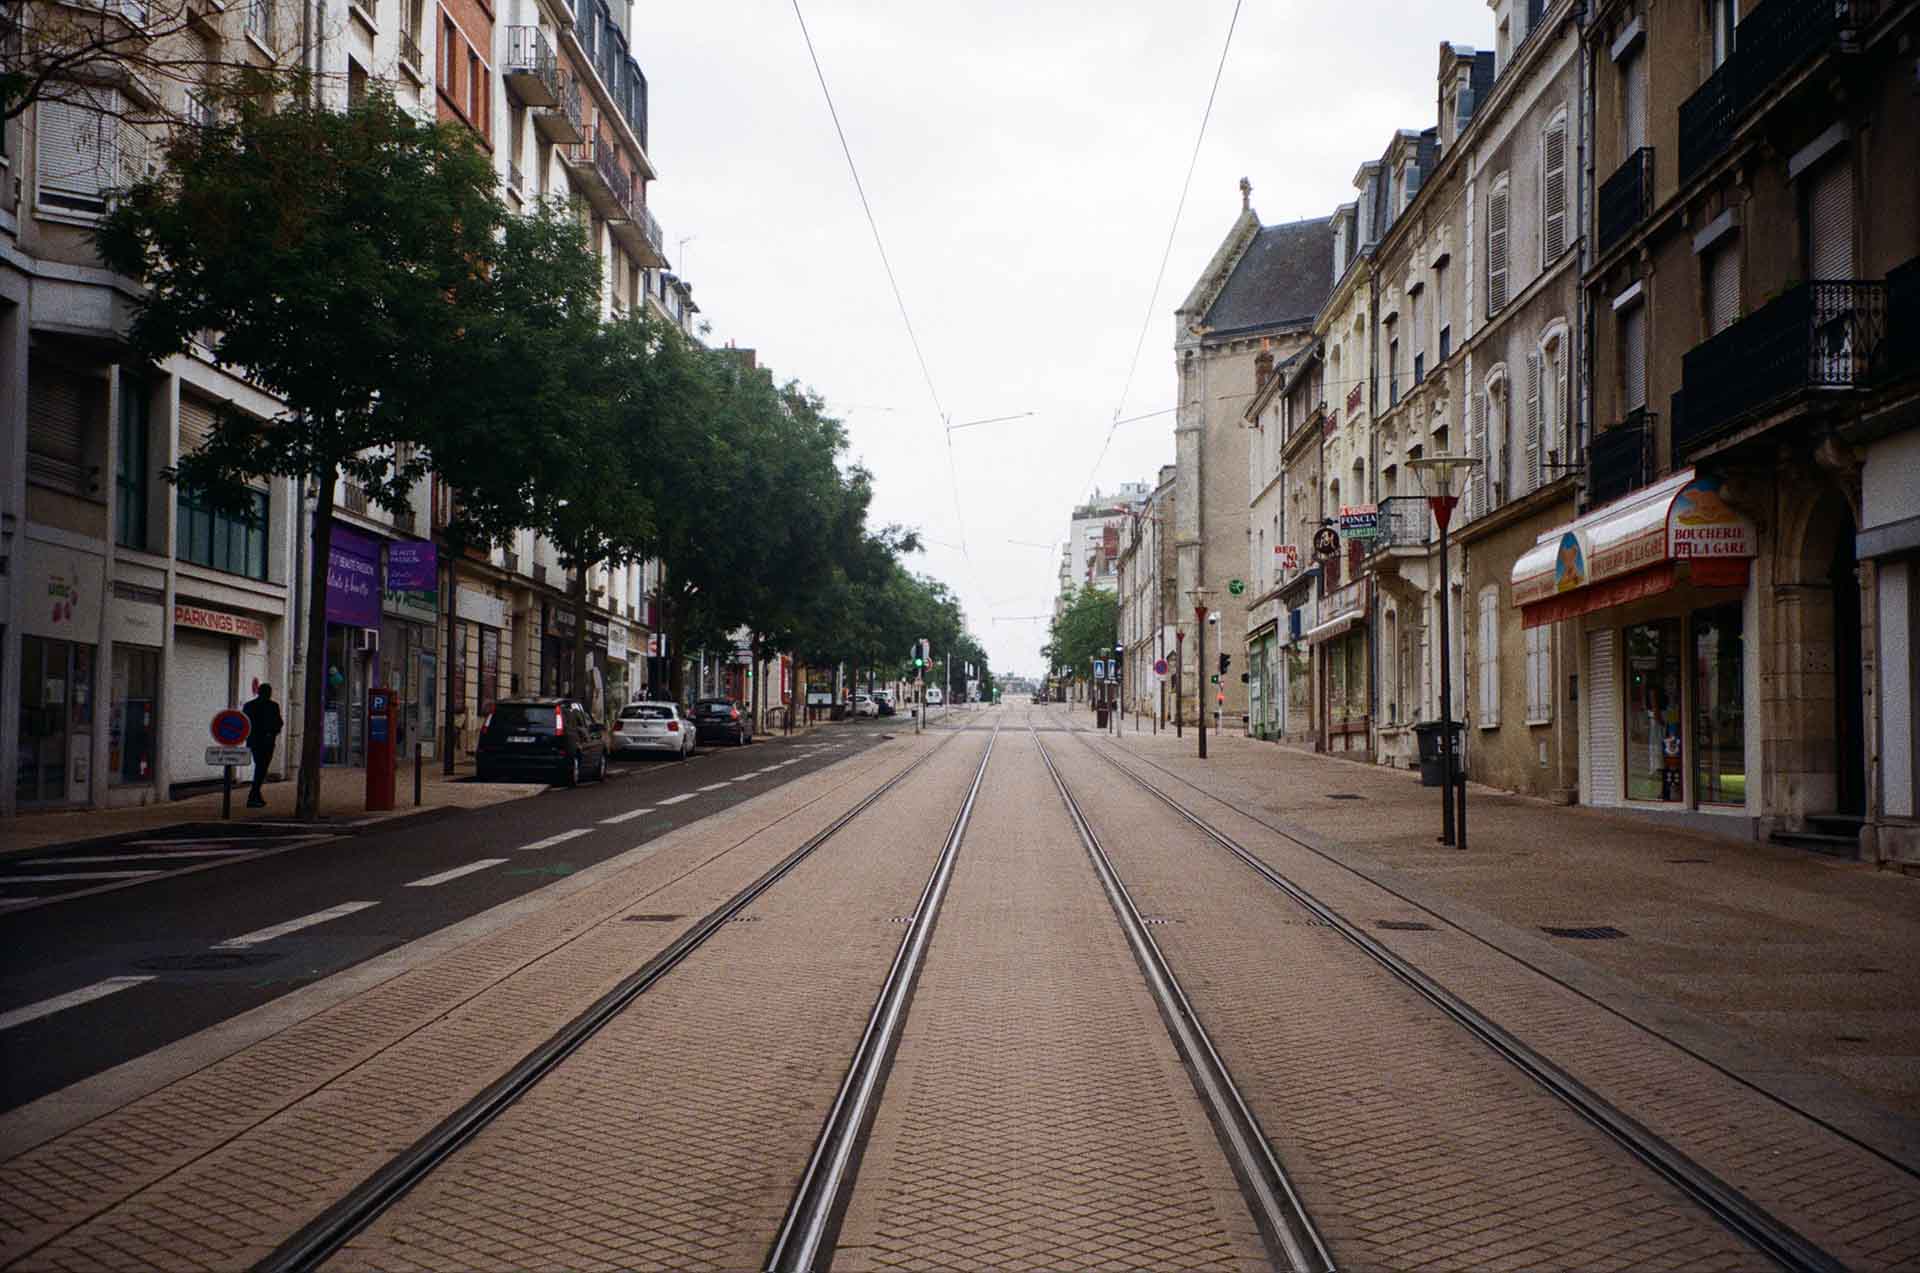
x=32, y=879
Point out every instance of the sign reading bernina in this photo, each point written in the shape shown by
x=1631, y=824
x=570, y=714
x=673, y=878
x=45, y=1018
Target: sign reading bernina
x=220, y=621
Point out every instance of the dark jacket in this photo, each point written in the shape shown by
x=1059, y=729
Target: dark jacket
x=264, y=714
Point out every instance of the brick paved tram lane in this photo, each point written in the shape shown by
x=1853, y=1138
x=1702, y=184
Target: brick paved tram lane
x=1414, y=1145
x=1037, y=1115
x=673, y=1138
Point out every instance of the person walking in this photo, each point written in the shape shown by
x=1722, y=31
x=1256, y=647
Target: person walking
x=264, y=716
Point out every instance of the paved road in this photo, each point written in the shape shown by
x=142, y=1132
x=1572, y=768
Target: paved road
x=94, y=980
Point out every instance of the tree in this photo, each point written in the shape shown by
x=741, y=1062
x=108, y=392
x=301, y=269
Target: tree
x=352, y=264
x=1084, y=630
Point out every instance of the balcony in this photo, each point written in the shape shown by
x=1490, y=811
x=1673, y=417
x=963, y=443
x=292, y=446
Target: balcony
x=1818, y=337
x=1406, y=521
x=595, y=165
x=1624, y=201
x=1620, y=459
x=1900, y=351
x=562, y=123
x=1772, y=42
x=410, y=50
x=532, y=72
x=641, y=236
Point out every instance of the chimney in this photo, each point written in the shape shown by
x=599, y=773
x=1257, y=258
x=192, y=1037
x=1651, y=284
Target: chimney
x=1263, y=365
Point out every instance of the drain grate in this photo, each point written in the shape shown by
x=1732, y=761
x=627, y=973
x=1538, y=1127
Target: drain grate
x=1345, y=795
x=1404, y=925
x=207, y=961
x=1598, y=932
x=1307, y=923
x=744, y=919
x=1158, y=919
x=652, y=919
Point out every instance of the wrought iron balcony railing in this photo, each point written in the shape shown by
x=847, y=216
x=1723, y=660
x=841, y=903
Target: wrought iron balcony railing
x=1405, y=521
x=410, y=50
x=1823, y=335
x=562, y=123
x=1770, y=43
x=1625, y=200
x=532, y=72
x=1620, y=459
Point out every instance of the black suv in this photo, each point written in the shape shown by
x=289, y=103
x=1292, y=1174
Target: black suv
x=721, y=720
x=555, y=739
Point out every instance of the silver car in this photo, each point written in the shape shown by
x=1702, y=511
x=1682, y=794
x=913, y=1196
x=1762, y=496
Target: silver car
x=653, y=727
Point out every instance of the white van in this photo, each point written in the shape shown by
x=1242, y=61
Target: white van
x=934, y=698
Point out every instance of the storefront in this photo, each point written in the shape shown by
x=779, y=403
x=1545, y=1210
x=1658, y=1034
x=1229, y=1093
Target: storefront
x=480, y=621
x=556, y=655
x=1657, y=589
x=136, y=624
x=1339, y=641
x=409, y=659
x=353, y=642
x=219, y=657
x=1265, y=697
x=620, y=678
x=58, y=604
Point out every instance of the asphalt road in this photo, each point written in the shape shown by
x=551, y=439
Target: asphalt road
x=92, y=981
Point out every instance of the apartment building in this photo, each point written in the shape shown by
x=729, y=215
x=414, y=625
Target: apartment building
x=1147, y=601
x=1738, y=588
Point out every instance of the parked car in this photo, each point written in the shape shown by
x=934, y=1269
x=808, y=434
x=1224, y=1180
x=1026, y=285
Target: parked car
x=721, y=720
x=555, y=739
x=933, y=698
x=653, y=727
x=865, y=705
x=884, y=700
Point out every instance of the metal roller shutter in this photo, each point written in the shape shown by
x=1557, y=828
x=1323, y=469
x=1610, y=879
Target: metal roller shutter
x=1601, y=729
x=1723, y=289
x=64, y=408
x=1830, y=222
x=1633, y=355
x=196, y=423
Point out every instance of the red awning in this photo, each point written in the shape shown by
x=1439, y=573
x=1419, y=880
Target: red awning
x=1608, y=592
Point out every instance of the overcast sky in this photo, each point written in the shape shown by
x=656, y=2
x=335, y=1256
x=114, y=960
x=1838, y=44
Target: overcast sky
x=1024, y=161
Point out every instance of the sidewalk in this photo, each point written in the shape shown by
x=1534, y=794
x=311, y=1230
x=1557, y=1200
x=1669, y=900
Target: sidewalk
x=1784, y=967
x=343, y=804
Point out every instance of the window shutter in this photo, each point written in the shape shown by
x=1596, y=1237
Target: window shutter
x=1554, y=197
x=1477, y=448
x=197, y=419
x=1830, y=232
x=1633, y=355
x=1723, y=289
x=1633, y=101
x=1532, y=480
x=63, y=408
x=1497, y=251
x=1489, y=658
x=76, y=153
x=1562, y=409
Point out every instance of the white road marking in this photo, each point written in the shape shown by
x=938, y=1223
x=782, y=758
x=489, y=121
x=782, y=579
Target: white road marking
x=140, y=857
x=76, y=875
x=677, y=799
x=785, y=763
x=552, y=840
x=292, y=926
x=746, y=777
x=71, y=999
x=628, y=816
x=455, y=873
x=769, y=769
x=713, y=786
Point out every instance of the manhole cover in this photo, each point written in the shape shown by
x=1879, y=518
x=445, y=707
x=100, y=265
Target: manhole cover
x=1345, y=795
x=1599, y=932
x=1404, y=925
x=207, y=961
x=652, y=919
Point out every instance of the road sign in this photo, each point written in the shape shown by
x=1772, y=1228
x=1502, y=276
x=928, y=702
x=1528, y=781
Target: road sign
x=1099, y=669
x=217, y=756
x=1159, y=667
x=1236, y=586
x=230, y=729
x=1214, y=679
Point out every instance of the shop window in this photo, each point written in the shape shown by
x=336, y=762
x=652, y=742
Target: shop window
x=133, y=738
x=219, y=540
x=56, y=720
x=1489, y=656
x=1719, y=706
x=1654, y=720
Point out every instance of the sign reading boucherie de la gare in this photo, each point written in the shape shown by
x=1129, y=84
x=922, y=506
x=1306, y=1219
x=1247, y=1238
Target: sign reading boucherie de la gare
x=233, y=625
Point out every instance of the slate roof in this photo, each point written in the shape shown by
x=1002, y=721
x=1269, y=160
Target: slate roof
x=1283, y=277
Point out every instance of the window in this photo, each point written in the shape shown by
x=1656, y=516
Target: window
x=1393, y=371
x=1633, y=100
x=1723, y=19
x=221, y=541
x=1553, y=201
x=1539, y=675
x=1829, y=221
x=476, y=101
x=1477, y=448
x=1418, y=299
x=130, y=466
x=1720, y=283
x=1488, y=647
x=449, y=60
x=1444, y=308
x=66, y=417
x=86, y=151
x=1497, y=247
x=1554, y=400
x=356, y=83
x=1633, y=356
x=260, y=20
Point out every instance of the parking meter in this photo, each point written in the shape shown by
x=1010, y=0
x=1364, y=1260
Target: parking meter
x=383, y=712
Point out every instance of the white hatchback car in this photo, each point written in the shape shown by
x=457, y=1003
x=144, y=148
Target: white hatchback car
x=864, y=705
x=653, y=727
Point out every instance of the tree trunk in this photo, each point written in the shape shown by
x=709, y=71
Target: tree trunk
x=676, y=660
x=313, y=725
x=577, y=593
x=447, y=678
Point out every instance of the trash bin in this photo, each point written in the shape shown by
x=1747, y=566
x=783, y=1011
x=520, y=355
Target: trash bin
x=1100, y=717
x=1432, y=763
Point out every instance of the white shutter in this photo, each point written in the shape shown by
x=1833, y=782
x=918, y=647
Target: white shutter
x=1477, y=448
x=1633, y=355
x=1531, y=482
x=1497, y=251
x=1489, y=643
x=76, y=150
x=1600, y=731
x=1553, y=200
x=1633, y=101
x=1723, y=289
x=1562, y=411
x=1830, y=222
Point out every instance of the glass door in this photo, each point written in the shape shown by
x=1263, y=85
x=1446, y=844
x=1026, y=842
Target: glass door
x=1719, y=706
x=1654, y=712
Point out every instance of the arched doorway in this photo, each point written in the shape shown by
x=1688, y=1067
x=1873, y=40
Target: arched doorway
x=1850, y=724
x=1820, y=719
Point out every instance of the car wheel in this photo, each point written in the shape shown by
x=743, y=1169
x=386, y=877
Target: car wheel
x=573, y=772
x=602, y=775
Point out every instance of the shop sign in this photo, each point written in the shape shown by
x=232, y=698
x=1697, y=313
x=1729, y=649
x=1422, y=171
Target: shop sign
x=1700, y=524
x=1359, y=521
x=62, y=593
x=1326, y=541
x=656, y=645
x=617, y=641
x=232, y=625
x=417, y=607
x=477, y=607
x=1287, y=557
x=132, y=621
x=353, y=579
x=412, y=566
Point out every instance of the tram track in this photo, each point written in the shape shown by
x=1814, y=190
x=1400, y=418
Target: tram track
x=1754, y=1225
x=325, y=1235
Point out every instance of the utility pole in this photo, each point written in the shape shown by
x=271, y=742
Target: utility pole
x=1199, y=596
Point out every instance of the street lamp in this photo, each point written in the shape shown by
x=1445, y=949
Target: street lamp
x=1199, y=597
x=1442, y=477
x=1119, y=696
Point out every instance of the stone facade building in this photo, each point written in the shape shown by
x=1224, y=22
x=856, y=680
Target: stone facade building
x=1147, y=600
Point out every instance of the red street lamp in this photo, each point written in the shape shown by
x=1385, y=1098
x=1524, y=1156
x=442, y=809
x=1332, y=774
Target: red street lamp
x=1442, y=477
x=1199, y=596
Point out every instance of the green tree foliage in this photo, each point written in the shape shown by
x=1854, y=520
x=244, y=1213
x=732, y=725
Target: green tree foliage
x=1085, y=629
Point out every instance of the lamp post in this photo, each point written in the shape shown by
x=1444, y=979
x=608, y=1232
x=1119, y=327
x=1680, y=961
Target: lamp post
x=1442, y=476
x=1199, y=596
x=1179, y=660
x=1119, y=697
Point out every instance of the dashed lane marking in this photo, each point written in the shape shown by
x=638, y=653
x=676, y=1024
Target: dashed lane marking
x=713, y=786
x=552, y=840
x=71, y=999
x=455, y=873
x=677, y=799
x=292, y=926
x=628, y=816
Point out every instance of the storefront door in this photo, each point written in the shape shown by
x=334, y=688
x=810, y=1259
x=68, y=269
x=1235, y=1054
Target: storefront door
x=56, y=722
x=1719, y=706
x=1655, y=712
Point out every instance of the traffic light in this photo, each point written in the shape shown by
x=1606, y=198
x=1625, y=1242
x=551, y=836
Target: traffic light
x=1226, y=660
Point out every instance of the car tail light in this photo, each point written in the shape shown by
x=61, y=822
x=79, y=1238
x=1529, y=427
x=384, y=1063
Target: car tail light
x=673, y=727
x=559, y=723
x=736, y=713
x=487, y=724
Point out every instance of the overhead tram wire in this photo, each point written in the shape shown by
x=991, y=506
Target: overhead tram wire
x=892, y=281
x=1167, y=254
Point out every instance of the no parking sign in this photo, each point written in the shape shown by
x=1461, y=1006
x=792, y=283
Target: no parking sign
x=230, y=728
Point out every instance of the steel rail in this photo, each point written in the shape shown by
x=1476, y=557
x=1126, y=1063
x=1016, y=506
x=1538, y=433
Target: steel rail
x=804, y=1240
x=1276, y=1205
x=1751, y=1222
x=320, y=1238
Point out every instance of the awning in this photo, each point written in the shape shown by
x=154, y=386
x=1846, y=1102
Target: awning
x=1627, y=550
x=1333, y=627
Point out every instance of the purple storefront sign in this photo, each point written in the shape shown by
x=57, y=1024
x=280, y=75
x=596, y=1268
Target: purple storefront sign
x=412, y=567
x=353, y=579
